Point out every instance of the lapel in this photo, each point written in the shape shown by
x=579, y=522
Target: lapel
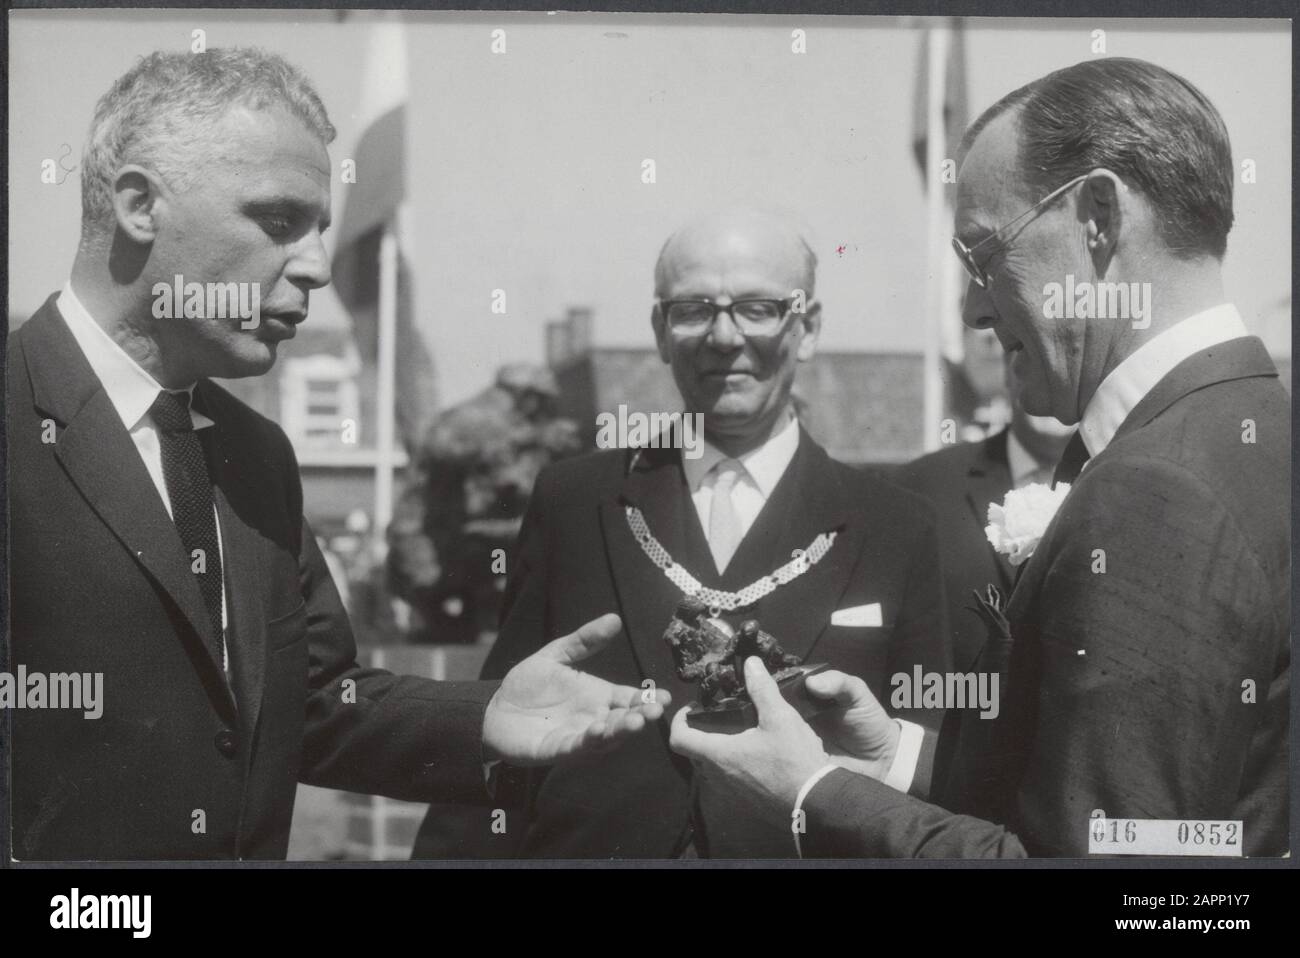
x=655, y=484
x=988, y=477
x=102, y=462
x=808, y=500
x=1236, y=359
x=1241, y=358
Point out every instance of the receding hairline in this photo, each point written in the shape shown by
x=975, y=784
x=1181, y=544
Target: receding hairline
x=735, y=220
x=1153, y=128
x=1010, y=107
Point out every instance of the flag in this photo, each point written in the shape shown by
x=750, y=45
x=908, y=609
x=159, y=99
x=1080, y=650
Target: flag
x=373, y=202
x=955, y=121
x=955, y=114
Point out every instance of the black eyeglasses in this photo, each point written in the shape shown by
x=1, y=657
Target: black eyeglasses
x=978, y=274
x=753, y=317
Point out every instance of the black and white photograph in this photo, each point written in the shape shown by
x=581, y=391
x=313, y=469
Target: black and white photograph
x=448, y=436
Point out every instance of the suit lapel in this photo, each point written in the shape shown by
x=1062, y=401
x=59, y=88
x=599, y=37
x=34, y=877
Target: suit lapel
x=102, y=462
x=1241, y=358
x=655, y=485
x=1235, y=359
x=809, y=500
x=765, y=546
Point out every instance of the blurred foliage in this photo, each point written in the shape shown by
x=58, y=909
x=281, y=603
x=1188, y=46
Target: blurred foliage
x=472, y=476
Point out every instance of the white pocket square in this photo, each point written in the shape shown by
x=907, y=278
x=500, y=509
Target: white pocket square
x=860, y=616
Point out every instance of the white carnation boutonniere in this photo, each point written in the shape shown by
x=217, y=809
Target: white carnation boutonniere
x=1016, y=526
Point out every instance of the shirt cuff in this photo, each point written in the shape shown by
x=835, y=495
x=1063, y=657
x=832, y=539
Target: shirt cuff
x=795, y=816
x=910, y=738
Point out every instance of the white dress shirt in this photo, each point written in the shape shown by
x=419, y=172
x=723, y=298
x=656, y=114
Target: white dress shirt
x=132, y=392
x=1117, y=396
x=762, y=468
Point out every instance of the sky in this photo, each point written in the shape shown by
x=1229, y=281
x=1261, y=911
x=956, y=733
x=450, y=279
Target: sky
x=525, y=167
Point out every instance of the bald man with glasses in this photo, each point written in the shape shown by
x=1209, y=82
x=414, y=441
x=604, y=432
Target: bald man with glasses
x=638, y=531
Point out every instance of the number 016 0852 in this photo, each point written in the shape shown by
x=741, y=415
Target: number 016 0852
x=1162, y=836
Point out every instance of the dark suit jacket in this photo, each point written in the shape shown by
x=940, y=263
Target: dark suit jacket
x=960, y=482
x=1158, y=688
x=178, y=767
x=576, y=559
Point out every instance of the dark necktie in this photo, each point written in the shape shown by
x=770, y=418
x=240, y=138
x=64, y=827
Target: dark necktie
x=189, y=487
x=1072, y=460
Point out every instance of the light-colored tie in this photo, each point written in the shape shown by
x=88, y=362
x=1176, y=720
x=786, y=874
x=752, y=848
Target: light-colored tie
x=724, y=525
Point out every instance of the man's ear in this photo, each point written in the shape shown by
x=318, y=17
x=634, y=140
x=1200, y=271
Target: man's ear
x=662, y=336
x=137, y=198
x=1103, y=199
x=811, y=320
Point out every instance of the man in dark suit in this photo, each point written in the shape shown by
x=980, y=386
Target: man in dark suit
x=961, y=481
x=735, y=315
x=1149, y=663
x=158, y=537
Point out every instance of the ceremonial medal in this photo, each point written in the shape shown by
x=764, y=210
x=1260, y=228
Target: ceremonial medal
x=715, y=600
x=709, y=651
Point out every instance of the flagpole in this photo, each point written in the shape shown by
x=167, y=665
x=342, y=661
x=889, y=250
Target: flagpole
x=952, y=331
x=386, y=399
x=936, y=232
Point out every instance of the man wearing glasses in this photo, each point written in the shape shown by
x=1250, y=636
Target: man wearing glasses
x=734, y=316
x=1149, y=667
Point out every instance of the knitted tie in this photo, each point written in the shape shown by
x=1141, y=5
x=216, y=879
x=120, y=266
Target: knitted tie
x=1072, y=460
x=724, y=525
x=189, y=487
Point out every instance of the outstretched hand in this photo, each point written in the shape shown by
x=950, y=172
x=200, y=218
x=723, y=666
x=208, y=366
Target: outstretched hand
x=547, y=711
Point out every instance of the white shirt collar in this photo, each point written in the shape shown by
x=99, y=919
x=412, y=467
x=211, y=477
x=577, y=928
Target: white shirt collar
x=1130, y=381
x=765, y=465
x=130, y=388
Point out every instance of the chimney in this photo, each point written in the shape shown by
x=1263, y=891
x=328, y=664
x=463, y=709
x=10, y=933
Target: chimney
x=557, y=343
x=579, y=321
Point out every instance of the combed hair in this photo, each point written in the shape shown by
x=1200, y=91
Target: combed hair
x=159, y=113
x=1150, y=127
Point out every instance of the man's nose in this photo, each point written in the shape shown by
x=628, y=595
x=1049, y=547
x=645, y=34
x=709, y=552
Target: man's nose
x=977, y=310
x=724, y=334
x=309, y=266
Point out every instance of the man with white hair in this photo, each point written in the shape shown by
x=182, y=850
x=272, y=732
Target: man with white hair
x=158, y=536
